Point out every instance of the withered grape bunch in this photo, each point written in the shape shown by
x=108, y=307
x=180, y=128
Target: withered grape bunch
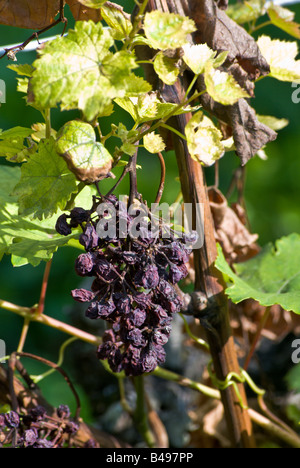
x=135, y=270
x=37, y=429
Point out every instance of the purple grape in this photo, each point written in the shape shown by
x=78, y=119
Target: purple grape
x=84, y=264
x=82, y=295
x=62, y=226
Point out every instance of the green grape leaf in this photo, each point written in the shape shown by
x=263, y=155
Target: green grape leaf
x=222, y=87
x=29, y=240
x=203, y=139
x=271, y=277
x=22, y=69
x=246, y=11
x=166, y=68
x=281, y=57
x=12, y=144
x=272, y=122
x=197, y=56
x=79, y=71
x=283, y=19
x=92, y=3
x=149, y=107
x=167, y=30
x=87, y=158
x=137, y=86
x=119, y=21
x=154, y=143
x=46, y=184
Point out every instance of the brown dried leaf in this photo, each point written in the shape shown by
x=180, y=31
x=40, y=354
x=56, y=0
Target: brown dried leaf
x=30, y=14
x=82, y=13
x=237, y=242
x=249, y=134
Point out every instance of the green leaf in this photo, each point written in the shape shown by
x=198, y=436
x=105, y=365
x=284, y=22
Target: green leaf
x=92, y=3
x=137, y=86
x=167, y=30
x=271, y=277
x=273, y=122
x=87, y=158
x=12, y=144
x=149, y=107
x=22, y=69
x=283, y=19
x=247, y=11
x=46, y=183
x=154, y=143
x=166, y=68
x=80, y=71
x=115, y=17
x=197, y=56
x=222, y=87
x=280, y=55
x=16, y=132
x=203, y=139
x=29, y=240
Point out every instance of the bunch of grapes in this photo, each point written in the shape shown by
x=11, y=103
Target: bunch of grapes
x=134, y=280
x=37, y=429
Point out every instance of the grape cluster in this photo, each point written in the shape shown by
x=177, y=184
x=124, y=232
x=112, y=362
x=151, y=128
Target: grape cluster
x=37, y=429
x=134, y=282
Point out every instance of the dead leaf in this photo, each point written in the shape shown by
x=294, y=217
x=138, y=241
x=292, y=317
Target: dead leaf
x=30, y=14
x=237, y=242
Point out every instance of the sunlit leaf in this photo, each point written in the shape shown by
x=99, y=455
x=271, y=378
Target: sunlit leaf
x=197, y=56
x=283, y=19
x=154, y=143
x=166, y=68
x=80, y=71
x=273, y=122
x=281, y=57
x=115, y=17
x=167, y=30
x=87, y=158
x=222, y=87
x=246, y=11
x=203, y=139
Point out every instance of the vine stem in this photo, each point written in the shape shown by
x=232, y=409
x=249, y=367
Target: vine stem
x=272, y=428
x=41, y=304
x=140, y=415
x=29, y=312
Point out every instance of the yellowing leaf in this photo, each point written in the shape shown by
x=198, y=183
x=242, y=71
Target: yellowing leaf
x=281, y=57
x=167, y=30
x=87, y=158
x=117, y=19
x=80, y=71
x=222, y=87
x=283, y=19
x=166, y=68
x=203, y=139
x=273, y=122
x=197, y=56
x=154, y=143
